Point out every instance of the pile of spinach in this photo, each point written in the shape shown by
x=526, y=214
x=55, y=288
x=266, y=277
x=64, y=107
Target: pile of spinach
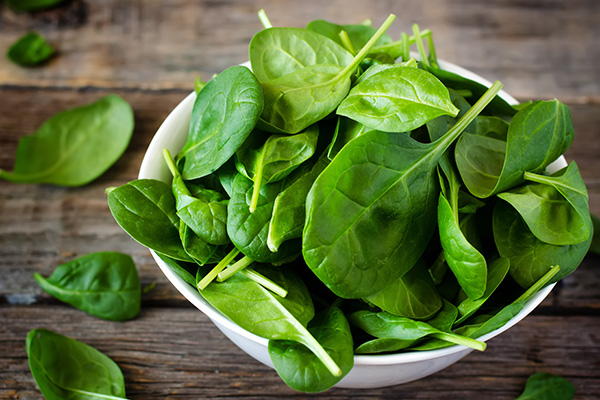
x=344, y=198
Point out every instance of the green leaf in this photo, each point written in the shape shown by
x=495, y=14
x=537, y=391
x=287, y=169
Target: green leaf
x=105, y=285
x=65, y=368
x=546, y=386
x=145, y=209
x=29, y=50
x=74, y=147
x=346, y=130
x=225, y=112
x=300, y=368
x=371, y=212
x=397, y=99
x=530, y=258
x=537, y=135
x=32, y=5
x=555, y=208
x=489, y=323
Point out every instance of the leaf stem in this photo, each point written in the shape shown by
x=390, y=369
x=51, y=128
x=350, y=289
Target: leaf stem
x=539, y=284
x=365, y=49
x=432, y=54
x=420, y=47
x=218, y=268
x=347, y=42
x=264, y=282
x=312, y=343
x=395, y=48
x=405, y=46
x=262, y=15
x=170, y=163
x=237, y=266
x=461, y=340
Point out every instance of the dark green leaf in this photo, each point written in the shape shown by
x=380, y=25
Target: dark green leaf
x=31, y=49
x=547, y=387
x=105, y=285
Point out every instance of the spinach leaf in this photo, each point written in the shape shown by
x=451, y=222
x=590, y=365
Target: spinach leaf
x=530, y=258
x=32, y=5
x=105, y=285
x=65, y=368
x=384, y=345
x=276, y=52
x=397, y=99
x=74, y=147
x=29, y=50
x=195, y=247
x=274, y=159
x=546, y=386
x=376, y=197
x=537, y=135
x=289, y=209
x=300, y=368
x=226, y=175
x=145, y=209
x=387, y=326
x=299, y=99
x=249, y=230
x=413, y=295
x=346, y=130
x=266, y=314
x=484, y=324
x=359, y=34
x=555, y=208
x=496, y=273
x=225, y=112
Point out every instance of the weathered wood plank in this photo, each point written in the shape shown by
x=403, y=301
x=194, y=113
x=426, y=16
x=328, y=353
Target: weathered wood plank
x=42, y=226
x=537, y=49
x=167, y=353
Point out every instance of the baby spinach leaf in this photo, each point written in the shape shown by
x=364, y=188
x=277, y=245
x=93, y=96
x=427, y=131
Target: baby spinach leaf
x=307, y=95
x=555, y=208
x=300, y=368
x=346, y=130
x=274, y=159
x=397, y=99
x=74, y=147
x=413, y=295
x=225, y=112
x=537, y=135
x=359, y=34
x=249, y=230
x=387, y=326
x=30, y=49
x=266, y=314
x=196, y=248
x=484, y=324
x=546, y=386
x=289, y=209
x=384, y=345
x=32, y=5
x=276, y=52
x=375, y=197
x=105, y=285
x=65, y=368
x=145, y=209
x=496, y=273
x=530, y=258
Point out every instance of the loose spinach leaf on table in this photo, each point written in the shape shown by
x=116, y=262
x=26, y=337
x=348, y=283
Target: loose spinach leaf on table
x=537, y=135
x=65, y=368
x=266, y=314
x=397, y=99
x=30, y=49
x=300, y=368
x=555, y=208
x=145, y=209
x=546, y=386
x=225, y=112
x=32, y=5
x=357, y=229
x=530, y=258
x=104, y=284
x=74, y=147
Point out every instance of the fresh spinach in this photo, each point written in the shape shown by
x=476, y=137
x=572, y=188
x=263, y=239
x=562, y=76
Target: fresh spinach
x=65, y=368
x=224, y=114
x=74, y=147
x=104, y=284
x=546, y=386
x=29, y=50
x=300, y=368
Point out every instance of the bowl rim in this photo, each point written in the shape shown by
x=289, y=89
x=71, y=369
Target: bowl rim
x=181, y=115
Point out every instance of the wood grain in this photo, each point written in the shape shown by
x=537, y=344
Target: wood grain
x=179, y=354
x=538, y=49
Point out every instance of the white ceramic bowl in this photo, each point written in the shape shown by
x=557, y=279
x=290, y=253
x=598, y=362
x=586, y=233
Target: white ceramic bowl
x=369, y=371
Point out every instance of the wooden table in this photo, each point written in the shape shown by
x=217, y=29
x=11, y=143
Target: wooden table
x=149, y=52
